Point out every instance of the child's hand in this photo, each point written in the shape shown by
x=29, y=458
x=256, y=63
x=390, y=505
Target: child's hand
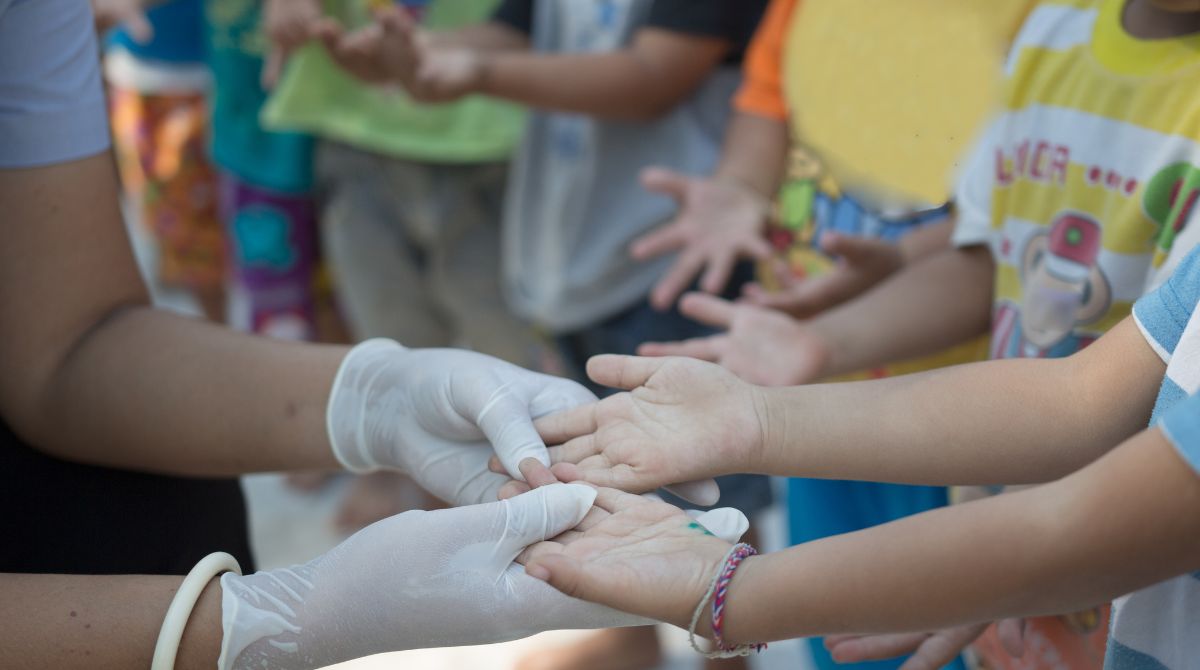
x=718, y=222
x=762, y=346
x=863, y=263
x=130, y=14
x=682, y=421
x=447, y=74
x=288, y=25
x=926, y=650
x=635, y=555
x=388, y=51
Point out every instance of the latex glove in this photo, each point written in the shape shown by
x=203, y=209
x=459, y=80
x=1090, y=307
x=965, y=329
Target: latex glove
x=416, y=580
x=431, y=412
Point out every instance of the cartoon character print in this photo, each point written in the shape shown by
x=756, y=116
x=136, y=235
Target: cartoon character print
x=1063, y=288
x=1170, y=200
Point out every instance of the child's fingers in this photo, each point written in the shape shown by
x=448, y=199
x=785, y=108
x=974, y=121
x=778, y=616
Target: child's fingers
x=533, y=551
x=574, y=451
x=720, y=268
x=622, y=372
x=666, y=182
x=875, y=647
x=138, y=26
x=703, y=348
x=563, y=426
x=689, y=264
x=658, y=242
x=513, y=489
x=613, y=500
x=708, y=309
x=562, y=572
x=566, y=472
x=536, y=473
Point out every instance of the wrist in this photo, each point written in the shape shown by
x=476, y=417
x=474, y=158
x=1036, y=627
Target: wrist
x=773, y=420
x=483, y=75
x=353, y=398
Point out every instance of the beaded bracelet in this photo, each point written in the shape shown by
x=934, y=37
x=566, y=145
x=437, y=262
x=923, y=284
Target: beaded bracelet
x=718, y=589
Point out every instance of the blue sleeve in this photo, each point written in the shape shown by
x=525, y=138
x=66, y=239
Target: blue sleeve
x=51, y=100
x=1181, y=425
x=1163, y=314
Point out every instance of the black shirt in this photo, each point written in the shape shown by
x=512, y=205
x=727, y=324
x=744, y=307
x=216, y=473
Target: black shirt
x=69, y=518
x=733, y=20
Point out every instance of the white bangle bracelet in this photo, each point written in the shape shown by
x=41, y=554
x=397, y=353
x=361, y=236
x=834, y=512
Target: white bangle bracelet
x=171, y=633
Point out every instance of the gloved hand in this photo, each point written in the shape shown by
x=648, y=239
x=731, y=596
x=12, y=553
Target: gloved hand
x=419, y=579
x=431, y=413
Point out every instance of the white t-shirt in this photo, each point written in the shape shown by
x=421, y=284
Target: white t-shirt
x=51, y=101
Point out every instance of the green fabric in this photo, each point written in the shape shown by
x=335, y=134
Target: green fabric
x=317, y=97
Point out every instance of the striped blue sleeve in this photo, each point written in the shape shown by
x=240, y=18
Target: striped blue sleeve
x=1163, y=314
x=1181, y=425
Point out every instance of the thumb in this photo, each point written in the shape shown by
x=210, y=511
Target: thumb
x=563, y=573
x=665, y=182
x=623, y=372
x=540, y=515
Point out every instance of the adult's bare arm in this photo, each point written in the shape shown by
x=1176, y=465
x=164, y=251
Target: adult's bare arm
x=93, y=374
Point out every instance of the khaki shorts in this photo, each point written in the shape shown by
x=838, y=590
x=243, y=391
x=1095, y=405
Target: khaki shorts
x=414, y=249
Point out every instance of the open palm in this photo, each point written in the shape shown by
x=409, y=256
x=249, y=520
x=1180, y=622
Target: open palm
x=683, y=420
x=633, y=554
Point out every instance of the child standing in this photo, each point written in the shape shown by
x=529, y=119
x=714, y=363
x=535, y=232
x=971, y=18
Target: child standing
x=1080, y=198
x=409, y=195
x=866, y=183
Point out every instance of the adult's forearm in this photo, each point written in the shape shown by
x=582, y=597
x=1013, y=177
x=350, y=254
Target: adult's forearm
x=225, y=402
x=755, y=153
x=60, y=621
x=1119, y=525
x=928, y=307
x=999, y=422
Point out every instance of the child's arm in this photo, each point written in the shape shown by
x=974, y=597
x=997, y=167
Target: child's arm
x=1001, y=422
x=1130, y=520
x=639, y=83
x=642, y=81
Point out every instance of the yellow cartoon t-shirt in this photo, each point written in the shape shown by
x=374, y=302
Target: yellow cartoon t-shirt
x=1085, y=186
x=1085, y=189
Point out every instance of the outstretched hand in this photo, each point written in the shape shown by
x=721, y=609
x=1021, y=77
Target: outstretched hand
x=926, y=651
x=862, y=263
x=719, y=221
x=681, y=421
x=760, y=345
x=633, y=554
x=394, y=50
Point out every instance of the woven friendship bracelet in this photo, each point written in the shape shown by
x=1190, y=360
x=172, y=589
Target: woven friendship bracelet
x=718, y=590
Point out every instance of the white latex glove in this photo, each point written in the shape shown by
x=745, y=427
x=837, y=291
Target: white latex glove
x=417, y=580
x=431, y=413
